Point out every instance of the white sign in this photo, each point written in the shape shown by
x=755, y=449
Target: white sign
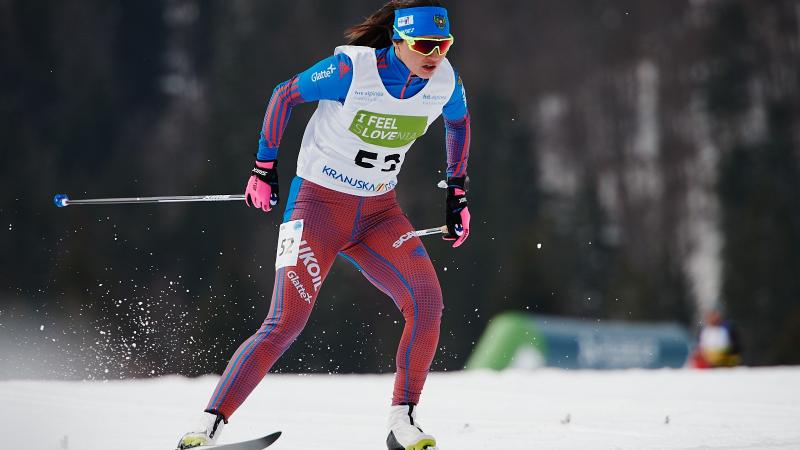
x=405, y=21
x=289, y=237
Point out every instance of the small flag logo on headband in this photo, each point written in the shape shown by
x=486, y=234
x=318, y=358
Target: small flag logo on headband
x=439, y=21
x=405, y=21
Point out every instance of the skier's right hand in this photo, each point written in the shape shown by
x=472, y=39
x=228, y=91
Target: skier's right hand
x=262, y=187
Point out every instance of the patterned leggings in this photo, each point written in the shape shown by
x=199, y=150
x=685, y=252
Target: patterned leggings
x=366, y=231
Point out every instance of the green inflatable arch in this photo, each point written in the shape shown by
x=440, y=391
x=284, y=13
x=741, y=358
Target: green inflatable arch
x=520, y=340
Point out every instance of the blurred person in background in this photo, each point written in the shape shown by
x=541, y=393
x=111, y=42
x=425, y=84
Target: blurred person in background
x=375, y=96
x=718, y=344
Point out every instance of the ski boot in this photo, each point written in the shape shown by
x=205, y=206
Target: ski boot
x=405, y=432
x=207, y=432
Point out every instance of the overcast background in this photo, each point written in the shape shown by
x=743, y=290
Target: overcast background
x=630, y=159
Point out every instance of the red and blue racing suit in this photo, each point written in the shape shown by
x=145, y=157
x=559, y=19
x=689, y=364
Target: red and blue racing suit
x=365, y=231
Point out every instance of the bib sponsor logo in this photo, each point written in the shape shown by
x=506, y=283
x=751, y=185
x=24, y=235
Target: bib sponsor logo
x=316, y=76
x=295, y=279
x=368, y=93
x=363, y=96
x=388, y=130
x=356, y=183
x=428, y=99
x=310, y=261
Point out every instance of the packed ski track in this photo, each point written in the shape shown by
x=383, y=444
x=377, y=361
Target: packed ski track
x=740, y=408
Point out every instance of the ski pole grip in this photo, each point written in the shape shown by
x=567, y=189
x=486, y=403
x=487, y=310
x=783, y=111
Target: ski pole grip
x=429, y=231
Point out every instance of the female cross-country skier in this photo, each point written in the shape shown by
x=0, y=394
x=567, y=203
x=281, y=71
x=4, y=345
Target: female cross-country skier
x=376, y=97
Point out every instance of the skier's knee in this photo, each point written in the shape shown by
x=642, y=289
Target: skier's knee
x=284, y=328
x=427, y=315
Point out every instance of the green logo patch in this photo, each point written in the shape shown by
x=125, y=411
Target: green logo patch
x=387, y=130
x=439, y=21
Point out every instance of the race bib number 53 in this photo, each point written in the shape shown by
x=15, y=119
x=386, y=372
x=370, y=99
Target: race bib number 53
x=289, y=237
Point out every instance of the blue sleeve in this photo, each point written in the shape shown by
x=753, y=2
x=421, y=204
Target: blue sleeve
x=457, y=131
x=284, y=98
x=328, y=79
x=456, y=108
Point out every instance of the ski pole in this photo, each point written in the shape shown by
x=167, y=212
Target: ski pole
x=62, y=200
x=428, y=231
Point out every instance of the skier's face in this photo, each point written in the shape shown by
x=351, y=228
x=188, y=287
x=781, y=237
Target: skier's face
x=420, y=65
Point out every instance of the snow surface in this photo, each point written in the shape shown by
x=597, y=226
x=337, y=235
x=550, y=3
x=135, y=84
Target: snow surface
x=542, y=409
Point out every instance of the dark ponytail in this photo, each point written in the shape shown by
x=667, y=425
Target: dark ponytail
x=376, y=30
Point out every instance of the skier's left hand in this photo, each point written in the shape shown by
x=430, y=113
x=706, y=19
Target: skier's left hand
x=457, y=211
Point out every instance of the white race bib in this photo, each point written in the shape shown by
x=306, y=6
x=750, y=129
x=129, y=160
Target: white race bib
x=289, y=237
x=358, y=147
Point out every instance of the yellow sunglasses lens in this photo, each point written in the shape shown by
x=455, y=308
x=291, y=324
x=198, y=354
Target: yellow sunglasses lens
x=426, y=46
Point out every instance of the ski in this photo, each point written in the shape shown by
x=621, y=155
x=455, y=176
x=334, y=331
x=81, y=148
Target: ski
x=254, y=444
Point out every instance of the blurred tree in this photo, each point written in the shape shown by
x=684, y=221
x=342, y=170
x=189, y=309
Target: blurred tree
x=631, y=139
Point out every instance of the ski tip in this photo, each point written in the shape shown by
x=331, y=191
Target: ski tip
x=272, y=437
x=269, y=439
x=254, y=444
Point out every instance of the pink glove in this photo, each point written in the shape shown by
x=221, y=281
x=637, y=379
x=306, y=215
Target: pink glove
x=456, y=212
x=462, y=230
x=262, y=187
